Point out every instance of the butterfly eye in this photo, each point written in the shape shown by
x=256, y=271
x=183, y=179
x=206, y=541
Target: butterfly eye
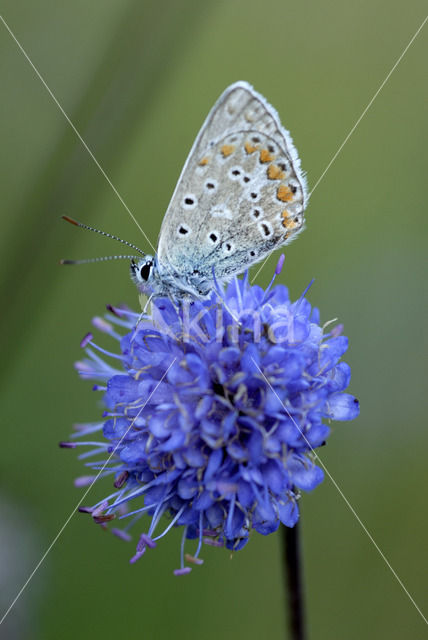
x=145, y=271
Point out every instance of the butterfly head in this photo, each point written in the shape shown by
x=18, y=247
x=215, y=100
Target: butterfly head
x=142, y=273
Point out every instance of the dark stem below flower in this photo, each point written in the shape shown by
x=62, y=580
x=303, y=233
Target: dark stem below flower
x=293, y=581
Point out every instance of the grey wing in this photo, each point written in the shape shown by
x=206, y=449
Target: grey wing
x=241, y=193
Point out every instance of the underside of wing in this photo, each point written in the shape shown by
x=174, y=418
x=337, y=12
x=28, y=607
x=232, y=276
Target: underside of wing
x=241, y=193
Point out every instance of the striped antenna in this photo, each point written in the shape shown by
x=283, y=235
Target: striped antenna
x=103, y=259
x=103, y=233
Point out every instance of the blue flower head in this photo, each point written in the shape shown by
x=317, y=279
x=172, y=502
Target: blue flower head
x=214, y=409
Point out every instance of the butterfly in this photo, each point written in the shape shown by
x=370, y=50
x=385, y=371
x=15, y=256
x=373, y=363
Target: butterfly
x=241, y=195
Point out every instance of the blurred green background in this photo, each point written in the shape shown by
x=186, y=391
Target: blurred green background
x=137, y=79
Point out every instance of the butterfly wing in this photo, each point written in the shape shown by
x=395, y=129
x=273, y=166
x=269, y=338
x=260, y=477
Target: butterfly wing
x=241, y=194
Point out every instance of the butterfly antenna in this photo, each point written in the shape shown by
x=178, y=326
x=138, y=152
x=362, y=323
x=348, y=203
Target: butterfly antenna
x=102, y=233
x=103, y=259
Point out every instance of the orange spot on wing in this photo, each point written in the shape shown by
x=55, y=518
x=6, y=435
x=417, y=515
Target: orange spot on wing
x=284, y=193
x=265, y=156
x=250, y=148
x=204, y=161
x=275, y=173
x=227, y=150
x=287, y=222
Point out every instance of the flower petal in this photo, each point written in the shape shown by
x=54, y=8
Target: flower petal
x=343, y=406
